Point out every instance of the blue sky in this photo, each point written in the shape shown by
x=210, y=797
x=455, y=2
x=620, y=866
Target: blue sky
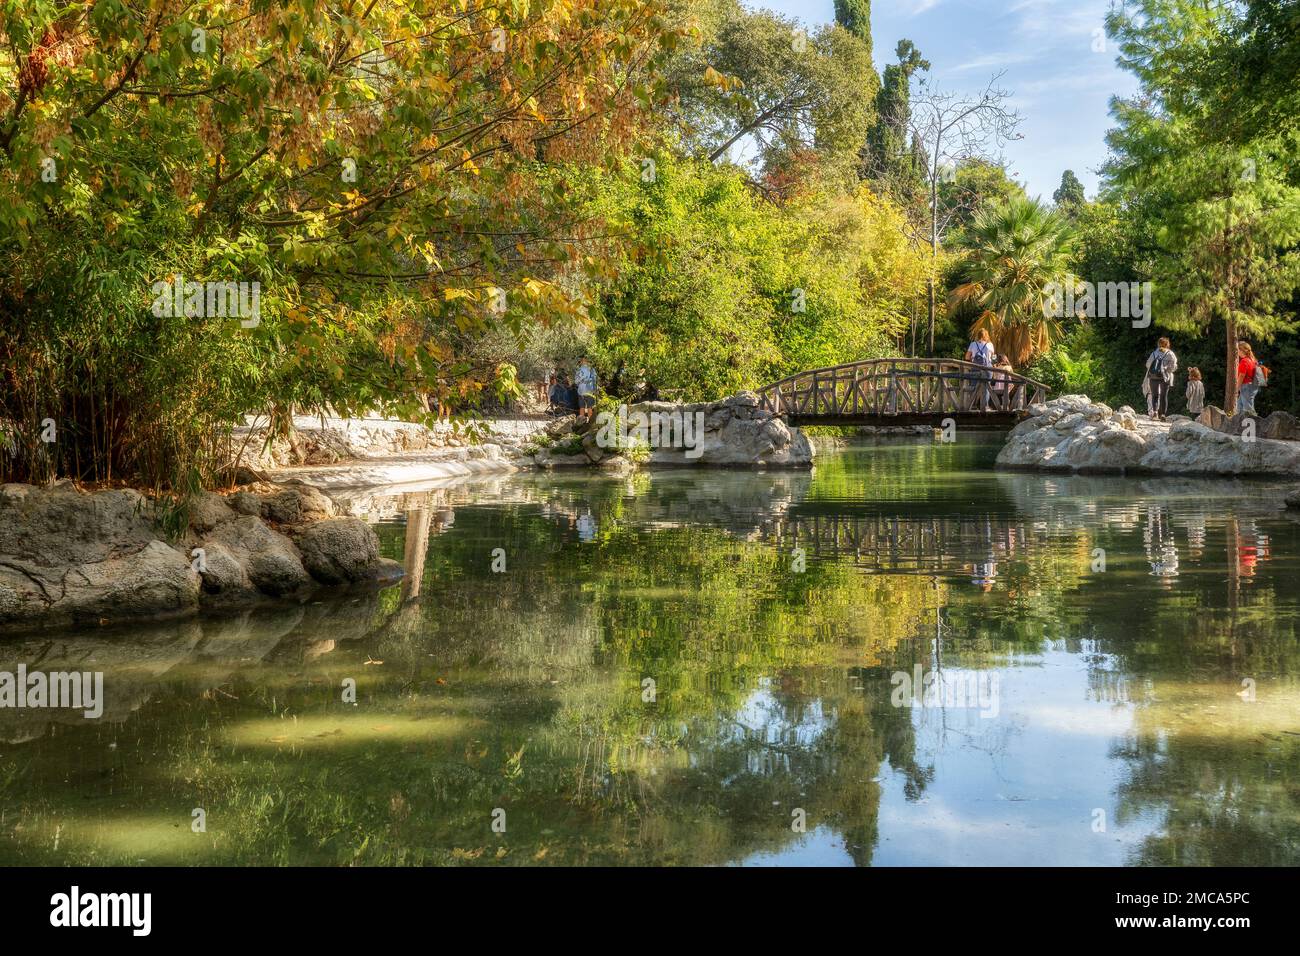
x=1060, y=85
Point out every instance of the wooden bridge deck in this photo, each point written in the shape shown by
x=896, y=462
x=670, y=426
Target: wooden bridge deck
x=903, y=391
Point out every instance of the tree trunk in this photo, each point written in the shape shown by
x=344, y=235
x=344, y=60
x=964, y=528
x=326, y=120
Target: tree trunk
x=934, y=237
x=930, y=353
x=1230, y=369
x=1230, y=324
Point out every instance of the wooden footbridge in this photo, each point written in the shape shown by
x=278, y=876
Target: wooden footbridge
x=903, y=391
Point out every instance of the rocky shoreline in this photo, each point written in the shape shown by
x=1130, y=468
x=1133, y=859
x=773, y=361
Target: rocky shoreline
x=75, y=558
x=1074, y=434
x=72, y=557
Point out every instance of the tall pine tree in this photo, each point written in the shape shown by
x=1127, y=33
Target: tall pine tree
x=890, y=160
x=855, y=16
x=1069, y=195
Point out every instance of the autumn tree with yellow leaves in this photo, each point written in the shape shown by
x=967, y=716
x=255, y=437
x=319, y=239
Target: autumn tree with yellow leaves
x=387, y=173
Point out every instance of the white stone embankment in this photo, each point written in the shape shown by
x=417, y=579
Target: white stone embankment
x=411, y=468
x=1075, y=434
x=348, y=453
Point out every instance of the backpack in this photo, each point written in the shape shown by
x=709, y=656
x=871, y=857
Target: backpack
x=1156, y=364
x=983, y=356
x=1262, y=373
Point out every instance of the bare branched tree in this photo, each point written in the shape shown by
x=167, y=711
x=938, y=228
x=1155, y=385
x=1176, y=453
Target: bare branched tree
x=953, y=127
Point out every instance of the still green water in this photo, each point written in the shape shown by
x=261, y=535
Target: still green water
x=712, y=667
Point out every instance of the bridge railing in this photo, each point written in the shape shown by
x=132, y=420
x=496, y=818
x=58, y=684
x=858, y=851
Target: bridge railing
x=891, y=387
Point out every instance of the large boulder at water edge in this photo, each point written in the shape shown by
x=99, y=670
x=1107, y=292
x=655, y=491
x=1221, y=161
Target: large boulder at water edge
x=344, y=551
x=1280, y=426
x=268, y=559
x=733, y=432
x=1072, y=433
x=70, y=557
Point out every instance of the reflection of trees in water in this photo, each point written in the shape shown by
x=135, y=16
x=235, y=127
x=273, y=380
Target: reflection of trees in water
x=1220, y=800
x=1221, y=788
x=708, y=758
x=773, y=687
x=1042, y=568
x=751, y=713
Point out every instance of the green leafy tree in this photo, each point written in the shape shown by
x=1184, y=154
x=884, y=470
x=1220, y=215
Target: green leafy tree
x=891, y=160
x=726, y=291
x=975, y=183
x=1243, y=76
x=1225, y=216
x=855, y=16
x=759, y=84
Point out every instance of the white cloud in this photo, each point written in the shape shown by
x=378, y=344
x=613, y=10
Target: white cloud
x=916, y=7
x=993, y=61
x=1045, y=19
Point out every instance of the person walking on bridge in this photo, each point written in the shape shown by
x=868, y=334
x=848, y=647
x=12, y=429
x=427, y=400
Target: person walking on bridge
x=1002, y=382
x=980, y=352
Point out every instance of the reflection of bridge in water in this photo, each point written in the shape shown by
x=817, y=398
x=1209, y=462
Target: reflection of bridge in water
x=903, y=391
x=912, y=545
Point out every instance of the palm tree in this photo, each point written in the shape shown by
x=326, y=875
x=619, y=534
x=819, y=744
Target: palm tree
x=1014, y=250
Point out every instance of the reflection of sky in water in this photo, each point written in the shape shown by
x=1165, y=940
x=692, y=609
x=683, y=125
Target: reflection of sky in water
x=763, y=721
x=820, y=846
x=1080, y=724
x=1017, y=789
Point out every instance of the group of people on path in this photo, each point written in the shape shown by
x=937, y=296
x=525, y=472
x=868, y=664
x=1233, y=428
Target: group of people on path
x=579, y=396
x=1158, y=381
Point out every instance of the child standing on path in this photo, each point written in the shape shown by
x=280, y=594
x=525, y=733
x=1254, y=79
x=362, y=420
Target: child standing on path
x=585, y=379
x=1195, y=392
